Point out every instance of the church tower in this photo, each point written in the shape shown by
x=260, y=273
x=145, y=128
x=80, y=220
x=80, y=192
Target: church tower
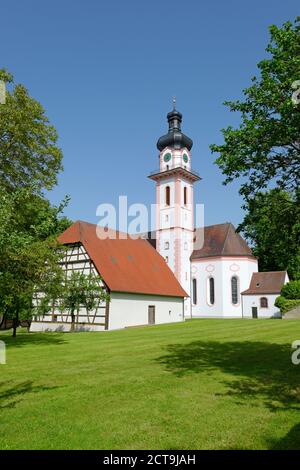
x=174, y=201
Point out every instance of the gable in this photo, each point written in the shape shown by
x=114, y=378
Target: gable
x=126, y=265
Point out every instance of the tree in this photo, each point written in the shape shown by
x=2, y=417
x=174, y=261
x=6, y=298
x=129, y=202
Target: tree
x=272, y=225
x=28, y=147
x=28, y=257
x=81, y=290
x=265, y=148
x=289, y=297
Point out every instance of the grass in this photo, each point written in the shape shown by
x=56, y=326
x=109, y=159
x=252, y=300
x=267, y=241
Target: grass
x=202, y=384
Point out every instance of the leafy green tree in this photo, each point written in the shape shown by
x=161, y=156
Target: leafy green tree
x=265, y=148
x=28, y=261
x=289, y=296
x=81, y=290
x=28, y=142
x=291, y=290
x=272, y=225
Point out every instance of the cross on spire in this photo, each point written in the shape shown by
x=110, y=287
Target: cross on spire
x=174, y=103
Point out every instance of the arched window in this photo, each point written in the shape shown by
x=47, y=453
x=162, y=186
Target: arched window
x=185, y=195
x=194, y=291
x=234, y=290
x=263, y=302
x=167, y=245
x=211, y=290
x=168, y=195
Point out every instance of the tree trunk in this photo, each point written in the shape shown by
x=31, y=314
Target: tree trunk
x=72, y=321
x=15, y=323
x=2, y=322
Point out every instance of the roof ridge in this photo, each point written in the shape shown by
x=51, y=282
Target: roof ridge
x=226, y=237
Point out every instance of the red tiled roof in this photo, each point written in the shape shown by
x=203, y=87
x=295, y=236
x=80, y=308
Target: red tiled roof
x=126, y=265
x=266, y=283
x=221, y=240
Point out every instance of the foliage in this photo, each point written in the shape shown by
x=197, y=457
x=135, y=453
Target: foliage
x=28, y=142
x=291, y=290
x=27, y=260
x=81, y=290
x=289, y=296
x=285, y=305
x=265, y=147
x=272, y=225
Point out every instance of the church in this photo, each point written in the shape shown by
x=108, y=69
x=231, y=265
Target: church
x=176, y=273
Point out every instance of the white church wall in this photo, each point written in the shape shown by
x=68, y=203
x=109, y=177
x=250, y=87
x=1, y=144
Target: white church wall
x=250, y=301
x=242, y=269
x=132, y=309
x=221, y=270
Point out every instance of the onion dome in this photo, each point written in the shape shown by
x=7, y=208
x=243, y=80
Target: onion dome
x=174, y=138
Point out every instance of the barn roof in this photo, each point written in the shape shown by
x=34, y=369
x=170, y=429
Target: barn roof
x=266, y=283
x=221, y=240
x=126, y=265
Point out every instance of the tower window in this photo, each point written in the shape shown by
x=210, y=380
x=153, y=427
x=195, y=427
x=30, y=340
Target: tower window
x=194, y=291
x=167, y=245
x=263, y=302
x=167, y=259
x=211, y=291
x=168, y=195
x=185, y=245
x=234, y=290
x=185, y=195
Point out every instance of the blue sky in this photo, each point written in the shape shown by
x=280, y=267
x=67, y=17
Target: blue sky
x=106, y=72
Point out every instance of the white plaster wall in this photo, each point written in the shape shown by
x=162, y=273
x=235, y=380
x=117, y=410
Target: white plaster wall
x=201, y=271
x=250, y=301
x=167, y=236
x=243, y=270
x=222, y=270
x=132, y=309
x=64, y=327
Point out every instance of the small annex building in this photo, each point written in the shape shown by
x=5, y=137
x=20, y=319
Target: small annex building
x=259, y=300
x=143, y=290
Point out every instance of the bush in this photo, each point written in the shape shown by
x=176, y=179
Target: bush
x=291, y=290
x=285, y=304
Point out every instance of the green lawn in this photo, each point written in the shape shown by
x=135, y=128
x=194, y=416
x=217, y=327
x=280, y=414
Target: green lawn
x=203, y=384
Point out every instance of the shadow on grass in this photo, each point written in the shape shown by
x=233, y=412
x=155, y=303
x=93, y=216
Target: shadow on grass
x=11, y=396
x=261, y=370
x=290, y=442
x=24, y=339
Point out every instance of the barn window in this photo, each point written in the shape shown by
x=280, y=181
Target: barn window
x=194, y=291
x=185, y=195
x=234, y=290
x=211, y=290
x=263, y=302
x=168, y=195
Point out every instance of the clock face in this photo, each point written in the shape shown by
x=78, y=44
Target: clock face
x=167, y=157
x=185, y=158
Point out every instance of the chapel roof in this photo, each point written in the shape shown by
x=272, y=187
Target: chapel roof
x=219, y=240
x=266, y=283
